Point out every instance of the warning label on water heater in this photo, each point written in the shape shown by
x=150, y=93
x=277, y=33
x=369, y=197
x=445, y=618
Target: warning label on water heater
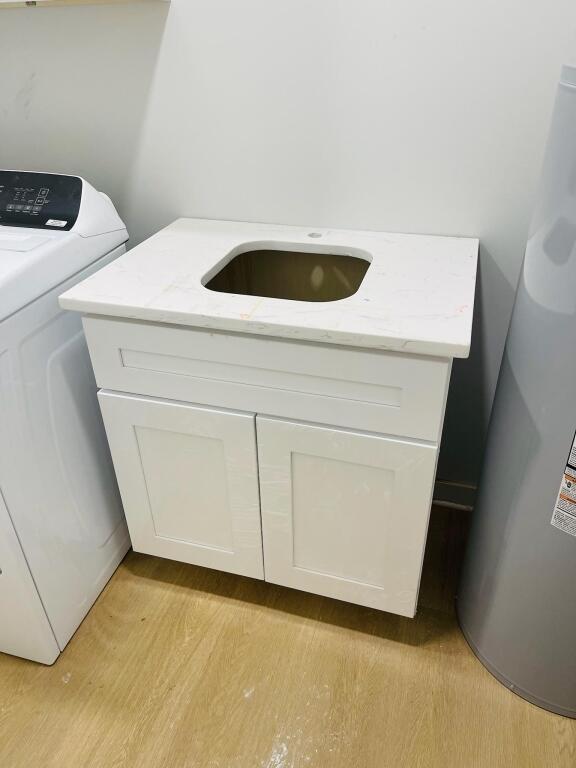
x=564, y=516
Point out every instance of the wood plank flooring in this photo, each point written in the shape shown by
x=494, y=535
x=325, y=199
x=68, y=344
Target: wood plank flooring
x=181, y=667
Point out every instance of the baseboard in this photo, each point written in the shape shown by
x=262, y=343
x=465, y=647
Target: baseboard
x=454, y=495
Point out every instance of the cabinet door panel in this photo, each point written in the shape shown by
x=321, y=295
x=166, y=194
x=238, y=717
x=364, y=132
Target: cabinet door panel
x=344, y=514
x=189, y=481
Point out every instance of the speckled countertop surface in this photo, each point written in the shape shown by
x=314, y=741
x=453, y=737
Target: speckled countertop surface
x=417, y=295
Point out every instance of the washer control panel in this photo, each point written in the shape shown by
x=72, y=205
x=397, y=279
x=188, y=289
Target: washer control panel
x=39, y=200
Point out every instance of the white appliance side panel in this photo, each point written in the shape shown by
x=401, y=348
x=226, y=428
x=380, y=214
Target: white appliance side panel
x=189, y=481
x=55, y=467
x=344, y=514
x=24, y=627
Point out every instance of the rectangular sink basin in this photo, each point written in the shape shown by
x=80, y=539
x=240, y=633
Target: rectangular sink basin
x=291, y=271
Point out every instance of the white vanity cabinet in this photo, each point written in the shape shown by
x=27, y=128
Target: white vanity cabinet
x=274, y=397
x=307, y=465
x=334, y=512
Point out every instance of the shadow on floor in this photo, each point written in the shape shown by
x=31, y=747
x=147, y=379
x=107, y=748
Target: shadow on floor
x=435, y=617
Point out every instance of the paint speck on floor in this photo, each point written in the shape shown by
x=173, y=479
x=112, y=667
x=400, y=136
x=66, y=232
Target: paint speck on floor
x=66, y=678
x=248, y=692
x=278, y=758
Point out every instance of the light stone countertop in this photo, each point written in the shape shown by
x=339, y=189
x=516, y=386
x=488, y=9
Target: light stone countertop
x=417, y=295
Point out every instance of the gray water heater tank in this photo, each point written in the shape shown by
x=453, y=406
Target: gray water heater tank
x=517, y=598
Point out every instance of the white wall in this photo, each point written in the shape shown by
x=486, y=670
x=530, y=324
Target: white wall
x=73, y=87
x=412, y=116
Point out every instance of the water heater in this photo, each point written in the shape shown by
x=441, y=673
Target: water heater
x=517, y=597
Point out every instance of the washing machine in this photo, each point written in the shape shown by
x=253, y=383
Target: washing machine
x=62, y=528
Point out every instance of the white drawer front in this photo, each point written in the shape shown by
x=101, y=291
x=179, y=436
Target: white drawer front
x=358, y=389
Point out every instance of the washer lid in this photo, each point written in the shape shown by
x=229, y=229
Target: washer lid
x=32, y=262
x=20, y=243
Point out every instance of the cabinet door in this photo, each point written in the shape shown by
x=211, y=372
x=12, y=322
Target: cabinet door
x=188, y=478
x=344, y=514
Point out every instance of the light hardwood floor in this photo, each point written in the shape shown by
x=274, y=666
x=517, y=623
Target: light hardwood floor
x=180, y=667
